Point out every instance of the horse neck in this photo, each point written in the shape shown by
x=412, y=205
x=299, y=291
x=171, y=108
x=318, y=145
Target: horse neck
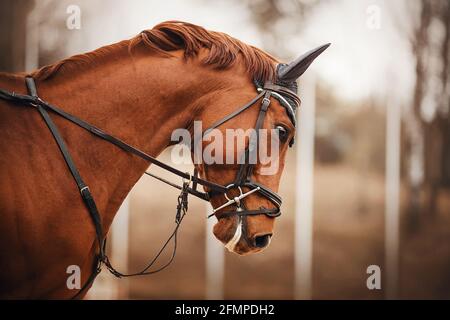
x=139, y=100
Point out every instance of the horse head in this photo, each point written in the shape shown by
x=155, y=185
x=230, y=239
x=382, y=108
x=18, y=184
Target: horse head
x=265, y=125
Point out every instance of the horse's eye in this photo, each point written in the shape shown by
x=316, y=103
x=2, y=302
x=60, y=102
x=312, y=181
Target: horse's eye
x=283, y=133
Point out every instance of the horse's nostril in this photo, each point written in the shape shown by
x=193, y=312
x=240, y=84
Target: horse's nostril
x=262, y=240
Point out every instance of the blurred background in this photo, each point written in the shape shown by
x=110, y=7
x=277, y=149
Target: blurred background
x=368, y=182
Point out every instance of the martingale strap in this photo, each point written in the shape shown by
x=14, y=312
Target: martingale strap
x=82, y=187
x=101, y=257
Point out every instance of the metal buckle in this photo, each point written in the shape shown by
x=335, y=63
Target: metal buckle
x=36, y=102
x=266, y=100
x=190, y=179
x=84, y=188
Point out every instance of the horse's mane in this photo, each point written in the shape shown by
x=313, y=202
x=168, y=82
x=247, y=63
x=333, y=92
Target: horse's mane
x=175, y=35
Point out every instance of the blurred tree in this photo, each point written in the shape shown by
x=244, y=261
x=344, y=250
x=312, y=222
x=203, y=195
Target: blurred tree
x=280, y=21
x=427, y=125
x=13, y=26
x=437, y=131
x=53, y=34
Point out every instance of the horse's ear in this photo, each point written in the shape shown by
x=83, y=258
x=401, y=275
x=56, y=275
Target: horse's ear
x=292, y=71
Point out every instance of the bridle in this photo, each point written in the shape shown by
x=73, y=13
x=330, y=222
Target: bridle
x=245, y=172
x=243, y=182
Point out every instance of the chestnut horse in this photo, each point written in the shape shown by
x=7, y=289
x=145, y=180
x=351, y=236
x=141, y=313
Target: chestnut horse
x=139, y=91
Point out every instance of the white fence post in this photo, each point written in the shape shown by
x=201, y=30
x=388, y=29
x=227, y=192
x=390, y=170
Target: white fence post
x=32, y=39
x=106, y=286
x=392, y=187
x=120, y=246
x=215, y=262
x=304, y=190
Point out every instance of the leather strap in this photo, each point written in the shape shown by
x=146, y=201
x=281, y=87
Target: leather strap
x=274, y=212
x=243, y=177
x=254, y=142
x=233, y=114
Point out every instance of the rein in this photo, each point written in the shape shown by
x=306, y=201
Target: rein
x=242, y=180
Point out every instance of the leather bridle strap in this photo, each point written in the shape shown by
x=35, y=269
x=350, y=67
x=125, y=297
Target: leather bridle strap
x=243, y=177
x=233, y=114
x=270, y=212
x=254, y=141
x=244, y=169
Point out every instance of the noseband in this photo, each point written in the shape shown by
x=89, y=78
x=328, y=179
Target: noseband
x=243, y=182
